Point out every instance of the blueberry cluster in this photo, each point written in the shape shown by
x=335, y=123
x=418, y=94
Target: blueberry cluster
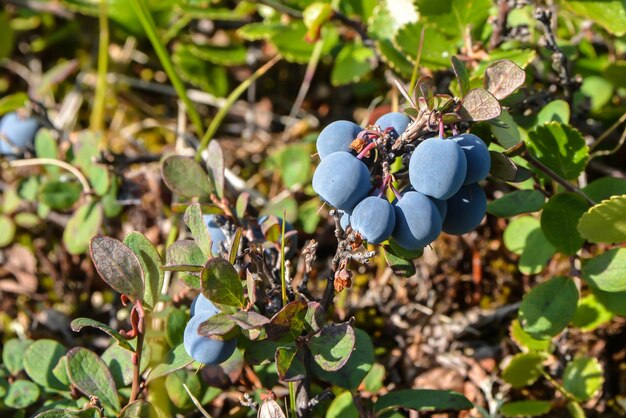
x=203, y=349
x=17, y=133
x=443, y=195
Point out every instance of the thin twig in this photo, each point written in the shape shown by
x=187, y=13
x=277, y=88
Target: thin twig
x=554, y=176
x=51, y=161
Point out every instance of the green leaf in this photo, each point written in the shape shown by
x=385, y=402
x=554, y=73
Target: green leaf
x=332, y=346
x=607, y=271
x=422, y=400
x=375, y=379
x=214, y=159
x=351, y=64
x=118, y=266
x=291, y=44
x=342, y=407
x=151, y=264
x=40, y=358
x=60, y=195
x=526, y=408
x=221, y=283
x=537, y=252
x=505, y=130
x=46, y=147
x=557, y=111
x=185, y=252
x=226, y=55
x=549, y=307
x=605, y=222
x=199, y=229
x=590, y=314
x=68, y=413
x=86, y=150
x=599, y=90
x=81, y=227
x=21, y=394
x=397, y=261
x=12, y=102
x=611, y=15
x=120, y=363
x=517, y=232
x=462, y=77
x=289, y=364
x=175, y=326
x=356, y=369
x=502, y=78
x=177, y=393
x=60, y=372
x=211, y=78
x=525, y=342
x=478, y=105
x=605, y=188
x=13, y=355
x=288, y=323
x=139, y=409
x=92, y=377
x=523, y=236
x=314, y=17
x=176, y=359
x=613, y=301
x=583, y=378
x=219, y=326
x=559, y=221
x=185, y=177
x=263, y=351
x=561, y=147
x=80, y=323
x=8, y=231
x=517, y=202
x=506, y=169
x=524, y=369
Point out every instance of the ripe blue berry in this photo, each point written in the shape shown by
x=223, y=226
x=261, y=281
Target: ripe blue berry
x=217, y=234
x=477, y=156
x=418, y=221
x=203, y=349
x=342, y=180
x=344, y=220
x=396, y=120
x=17, y=133
x=374, y=218
x=437, y=168
x=442, y=205
x=465, y=210
x=201, y=304
x=337, y=137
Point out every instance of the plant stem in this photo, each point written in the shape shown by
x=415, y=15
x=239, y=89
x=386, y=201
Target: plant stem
x=97, y=114
x=554, y=176
x=51, y=161
x=143, y=13
x=137, y=362
x=230, y=101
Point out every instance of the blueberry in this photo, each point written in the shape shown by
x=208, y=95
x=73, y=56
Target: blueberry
x=465, y=210
x=418, y=221
x=442, y=205
x=202, y=304
x=337, y=137
x=344, y=220
x=218, y=237
x=477, y=156
x=203, y=349
x=374, y=218
x=17, y=133
x=396, y=120
x=342, y=180
x=437, y=168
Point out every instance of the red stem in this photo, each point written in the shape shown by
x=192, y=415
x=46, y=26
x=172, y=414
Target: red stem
x=367, y=149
